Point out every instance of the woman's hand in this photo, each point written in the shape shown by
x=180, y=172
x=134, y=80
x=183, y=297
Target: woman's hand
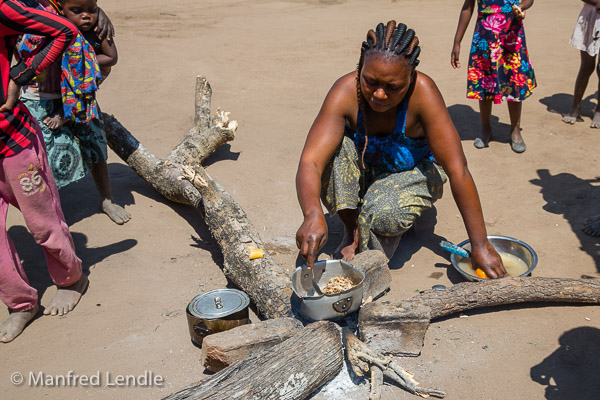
x=311, y=237
x=488, y=260
x=454, y=56
x=104, y=28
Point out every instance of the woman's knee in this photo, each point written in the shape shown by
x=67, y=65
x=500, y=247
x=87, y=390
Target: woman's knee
x=390, y=222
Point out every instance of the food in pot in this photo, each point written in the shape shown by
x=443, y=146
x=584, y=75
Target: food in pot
x=338, y=284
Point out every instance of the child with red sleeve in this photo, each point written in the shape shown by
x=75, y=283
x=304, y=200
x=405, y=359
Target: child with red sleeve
x=26, y=181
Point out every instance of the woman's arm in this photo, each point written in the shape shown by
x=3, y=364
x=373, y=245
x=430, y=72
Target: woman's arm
x=446, y=147
x=109, y=56
x=104, y=28
x=463, y=21
x=323, y=139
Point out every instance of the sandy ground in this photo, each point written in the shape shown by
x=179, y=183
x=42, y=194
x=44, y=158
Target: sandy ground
x=270, y=63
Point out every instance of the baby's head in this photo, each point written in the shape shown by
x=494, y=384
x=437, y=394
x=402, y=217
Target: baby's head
x=83, y=13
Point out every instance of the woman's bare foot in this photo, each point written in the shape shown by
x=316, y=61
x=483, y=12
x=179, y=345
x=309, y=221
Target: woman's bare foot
x=55, y=122
x=12, y=326
x=348, y=247
x=595, y=120
x=115, y=212
x=66, y=298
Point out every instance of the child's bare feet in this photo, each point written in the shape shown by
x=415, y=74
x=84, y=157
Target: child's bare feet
x=55, y=122
x=348, y=247
x=66, y=298
x=12, y=326
x=115, y=212
x=595, y=120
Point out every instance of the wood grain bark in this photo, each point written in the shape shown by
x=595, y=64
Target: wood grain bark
x=265, y=282
x=290, y=370
x=470, y=295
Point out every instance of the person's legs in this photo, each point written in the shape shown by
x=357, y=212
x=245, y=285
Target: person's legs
x=393, y=203
x=20, y=298
x=596, y=118
x=340, y=194
x=110, y=208
x=516, y=139
x=586, y=68
x=94, y=150
x=36, y=195
x=485, y=111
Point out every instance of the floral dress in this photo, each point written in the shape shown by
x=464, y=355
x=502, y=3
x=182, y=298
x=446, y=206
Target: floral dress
x=499, y=67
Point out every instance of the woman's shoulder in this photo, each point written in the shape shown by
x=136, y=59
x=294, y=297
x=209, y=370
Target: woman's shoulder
x=343, y=95
x=345, y=85
x=425, y=89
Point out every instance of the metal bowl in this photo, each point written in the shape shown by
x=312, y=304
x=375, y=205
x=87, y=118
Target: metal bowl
x=501, y=243
x=330, y=306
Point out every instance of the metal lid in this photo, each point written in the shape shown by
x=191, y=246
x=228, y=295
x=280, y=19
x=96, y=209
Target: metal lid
x=218, y=303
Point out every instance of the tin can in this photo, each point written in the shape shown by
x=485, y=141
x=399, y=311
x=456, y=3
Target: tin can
x=216, y=311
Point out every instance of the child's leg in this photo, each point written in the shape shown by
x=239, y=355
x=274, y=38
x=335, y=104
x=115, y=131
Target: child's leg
x=586, y=68
x=102, y=181
x=35, y=194
x=15, y=292
x=92, y=142
x=596, y=119
x=485, y=110
x=516, y=140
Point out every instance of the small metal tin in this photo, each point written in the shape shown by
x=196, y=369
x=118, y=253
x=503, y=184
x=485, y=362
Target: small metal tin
x=438, y=287
x=216, y=311
x=218, y=303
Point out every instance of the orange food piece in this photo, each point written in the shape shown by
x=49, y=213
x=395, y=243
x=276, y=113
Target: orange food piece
x=480, y=274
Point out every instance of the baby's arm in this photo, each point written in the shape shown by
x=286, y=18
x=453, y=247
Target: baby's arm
x=108, y=56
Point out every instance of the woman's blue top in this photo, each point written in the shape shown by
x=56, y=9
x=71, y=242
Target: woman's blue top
x=392, y=153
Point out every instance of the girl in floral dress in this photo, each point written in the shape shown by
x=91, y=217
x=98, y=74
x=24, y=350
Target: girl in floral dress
x=499, y=67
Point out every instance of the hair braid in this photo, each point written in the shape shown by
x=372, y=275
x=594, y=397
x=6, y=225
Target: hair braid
x=391, y=40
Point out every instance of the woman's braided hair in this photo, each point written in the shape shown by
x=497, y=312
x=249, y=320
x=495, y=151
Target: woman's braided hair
x=389, y=40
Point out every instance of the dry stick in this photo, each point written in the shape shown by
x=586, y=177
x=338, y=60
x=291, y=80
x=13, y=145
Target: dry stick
x=376, y=383
x=290, y=370
x=470, y=295
x=362, y=357
x=263, y=280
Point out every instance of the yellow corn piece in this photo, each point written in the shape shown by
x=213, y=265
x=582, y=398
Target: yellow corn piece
x=480, y=274
x=257, y=253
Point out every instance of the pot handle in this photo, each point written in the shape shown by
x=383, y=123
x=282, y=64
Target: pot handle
x=201, y=330
x=343, y=305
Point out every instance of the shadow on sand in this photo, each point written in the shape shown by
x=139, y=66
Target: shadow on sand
x=561, y=103
x=468, y=124
x=575, y=199
x=34, y=262
x=571, y=371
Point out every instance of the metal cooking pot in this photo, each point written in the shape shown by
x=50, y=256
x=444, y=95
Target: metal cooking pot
x=216, y=311
x=329, y=306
